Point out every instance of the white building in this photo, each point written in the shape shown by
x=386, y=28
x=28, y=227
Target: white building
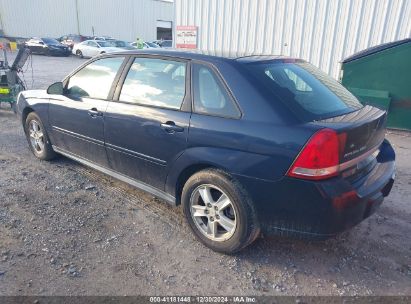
x=320, y=31
x=125, y=19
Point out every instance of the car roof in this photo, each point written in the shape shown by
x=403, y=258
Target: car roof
x=210, y=55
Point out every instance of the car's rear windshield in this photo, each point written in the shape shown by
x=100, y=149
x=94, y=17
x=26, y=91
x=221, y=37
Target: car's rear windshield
x=304, y=88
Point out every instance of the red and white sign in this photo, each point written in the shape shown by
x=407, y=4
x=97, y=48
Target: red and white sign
x=186, y=37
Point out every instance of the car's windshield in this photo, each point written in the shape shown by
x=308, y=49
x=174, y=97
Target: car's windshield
x=304, y=88
x=105, y=43
x=50, y=41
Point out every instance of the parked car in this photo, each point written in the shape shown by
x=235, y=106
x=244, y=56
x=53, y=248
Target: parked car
x=71, y=40
x=246, y=144
x=47, y=46
x=91, y=48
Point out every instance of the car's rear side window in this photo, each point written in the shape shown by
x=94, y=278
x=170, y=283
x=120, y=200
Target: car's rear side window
x=155, y=82
x=305, y=88
x=210, y=96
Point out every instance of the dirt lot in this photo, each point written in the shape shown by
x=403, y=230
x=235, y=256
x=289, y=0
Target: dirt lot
x=69, y=230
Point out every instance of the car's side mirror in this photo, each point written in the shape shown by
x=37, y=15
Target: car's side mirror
x=56, y=88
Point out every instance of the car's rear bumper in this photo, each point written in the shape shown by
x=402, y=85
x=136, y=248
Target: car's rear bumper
x=321, y=209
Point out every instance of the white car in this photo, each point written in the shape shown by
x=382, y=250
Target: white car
x=91, y=48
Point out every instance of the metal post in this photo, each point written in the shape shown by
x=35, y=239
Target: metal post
x=78, y=21
x=1, y=22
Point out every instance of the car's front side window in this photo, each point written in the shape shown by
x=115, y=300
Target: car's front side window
x=210, y=96
x=95, y=79
x=152, y=82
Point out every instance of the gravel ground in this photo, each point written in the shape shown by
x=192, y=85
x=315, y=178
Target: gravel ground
x=68, y=230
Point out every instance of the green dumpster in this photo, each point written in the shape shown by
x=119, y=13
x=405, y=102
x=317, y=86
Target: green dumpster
x=381, y=76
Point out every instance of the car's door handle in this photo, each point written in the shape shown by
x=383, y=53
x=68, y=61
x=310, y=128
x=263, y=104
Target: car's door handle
x=93, y=112
x=171, y=127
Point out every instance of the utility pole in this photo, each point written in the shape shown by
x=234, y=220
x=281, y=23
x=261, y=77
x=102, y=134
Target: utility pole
x=78, y=21
x=1, y=23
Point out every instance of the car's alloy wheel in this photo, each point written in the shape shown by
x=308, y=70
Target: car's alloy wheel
x=79, y=53
x=213, y=212
x=219, y=211
x=36, y=136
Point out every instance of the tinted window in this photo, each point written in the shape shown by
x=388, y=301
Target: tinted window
x=305, y=88
x=95, y=79
x=155, y=82
x=210, y=97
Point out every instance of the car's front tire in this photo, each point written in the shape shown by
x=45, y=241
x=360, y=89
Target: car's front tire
x=79, y=54
x=37, y=138
x=219, y=211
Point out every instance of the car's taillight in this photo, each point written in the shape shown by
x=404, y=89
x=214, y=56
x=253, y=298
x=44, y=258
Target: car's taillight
x=320, y=157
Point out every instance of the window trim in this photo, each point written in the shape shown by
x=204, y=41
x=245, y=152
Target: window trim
x=185, y=103
x=224, y=86
x=113, y=84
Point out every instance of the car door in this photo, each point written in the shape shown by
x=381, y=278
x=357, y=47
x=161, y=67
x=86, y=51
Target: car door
x=77, y=117
x=145, y=126
x=93, y=49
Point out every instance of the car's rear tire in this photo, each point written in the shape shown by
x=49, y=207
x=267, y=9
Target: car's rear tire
x=79, y=54
x=37, y=138
x=219, y=211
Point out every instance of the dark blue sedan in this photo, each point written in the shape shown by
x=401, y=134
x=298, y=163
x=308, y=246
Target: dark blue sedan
x=245, y=144
x=47, y=46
